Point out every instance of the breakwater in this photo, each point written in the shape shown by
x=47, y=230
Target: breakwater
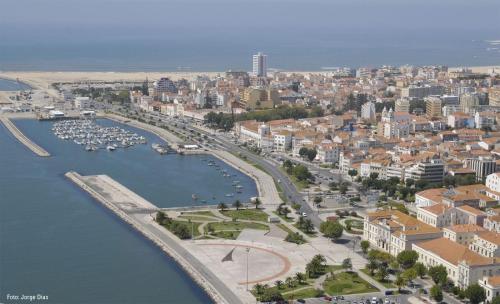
x=125, y=204
x=23, y=139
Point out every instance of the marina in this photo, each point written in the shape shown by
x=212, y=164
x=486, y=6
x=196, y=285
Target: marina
x=94, y=137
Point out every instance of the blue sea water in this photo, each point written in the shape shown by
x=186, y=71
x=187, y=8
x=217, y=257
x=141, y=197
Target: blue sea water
x=12, y=85
x=199, y=35
x=57, y=241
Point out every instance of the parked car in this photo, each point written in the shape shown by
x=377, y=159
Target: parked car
x=301, y=300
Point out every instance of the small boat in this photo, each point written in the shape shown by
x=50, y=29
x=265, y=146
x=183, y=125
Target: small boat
x=110, y=148
x=230, y=195
x=194, y=197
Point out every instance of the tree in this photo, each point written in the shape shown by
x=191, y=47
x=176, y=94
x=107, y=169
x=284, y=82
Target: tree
x=301, y=172
x=258, y=288
x=410, y=274
x=318, y=199
x=303, y=152
x=364, y=246
x=347, y=264
x=372, y=266
x=316, y=266
x=407, y=258
x=437, y=293
x=400, y=282
x=300, y=277
x=289, y=282
x=382, y=272
x=438, y=274
x=222, y=206
x=475, y=294
x=496, y=300
x=308, y=226
x=352, y=173
x=331, y=229
x=160, y=216
x=257, y=203
x=271, y=295
x=311, y=154
x=278, y=284
x=237, y=204
x=420, y=269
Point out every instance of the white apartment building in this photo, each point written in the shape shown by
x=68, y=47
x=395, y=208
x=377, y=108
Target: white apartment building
x=491, y=286
x=259, y=65
x=463, y=265
x=493, y=182
x=486, y=243
x=82, y=103
x=368, y=111
x=282, y=141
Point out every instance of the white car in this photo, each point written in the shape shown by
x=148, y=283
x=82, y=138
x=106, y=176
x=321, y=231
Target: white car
x=304, y=214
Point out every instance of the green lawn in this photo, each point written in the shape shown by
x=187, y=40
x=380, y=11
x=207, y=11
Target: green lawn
x=302, y=294
x=291, y=292
x=230, y=235
x=284, y=228
x=345, y=283
x=387, y=283
x=310, y=233
x=288, y=219
x=355, y=223
x=192, y=227
x=197, y=218
x=236, y=226
x=247, y=214
x=203, y=212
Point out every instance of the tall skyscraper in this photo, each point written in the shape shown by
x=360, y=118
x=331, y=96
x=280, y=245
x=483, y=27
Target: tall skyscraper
x=260, y=65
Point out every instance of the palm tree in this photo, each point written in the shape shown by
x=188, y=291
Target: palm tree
x=237, y=204
x=222, y=206
x=308, y=225
x=372, y=266
x=279, y=284
x=300, y=277
x=400, y=282
x=257, y=203
x=258, y=288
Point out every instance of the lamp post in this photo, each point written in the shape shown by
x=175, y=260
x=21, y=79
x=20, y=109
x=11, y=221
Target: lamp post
x=247, y=250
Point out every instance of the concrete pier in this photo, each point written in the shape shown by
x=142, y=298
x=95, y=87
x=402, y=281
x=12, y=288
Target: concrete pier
x=137, y=212
x=23, y=139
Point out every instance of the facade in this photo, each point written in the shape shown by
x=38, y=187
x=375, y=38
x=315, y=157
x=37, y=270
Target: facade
x=393, y=231
x=483, y=166
x=259, y=65
x=433, y=106
x=402, y=105
x=494, y=96
x=491, y=286
x=430, y=170
x=486, y=243
x=463, y=265
x=368, y=111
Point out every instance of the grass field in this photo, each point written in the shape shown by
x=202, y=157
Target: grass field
x=345, y=283
x=387, y=283
x=247, y=214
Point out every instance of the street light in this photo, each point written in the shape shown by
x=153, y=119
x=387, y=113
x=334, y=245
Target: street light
x=247, y=250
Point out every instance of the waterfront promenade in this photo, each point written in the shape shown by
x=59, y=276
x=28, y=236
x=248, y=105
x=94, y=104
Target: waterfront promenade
x=22, y=138
x=137, y=212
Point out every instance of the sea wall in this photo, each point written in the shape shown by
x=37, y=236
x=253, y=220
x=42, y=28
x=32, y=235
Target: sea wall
x=23, y=139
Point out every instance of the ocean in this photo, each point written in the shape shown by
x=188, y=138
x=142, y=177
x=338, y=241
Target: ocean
x=218, y=35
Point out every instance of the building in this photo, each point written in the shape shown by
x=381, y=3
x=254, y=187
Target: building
x=431, y=170
x=368, y=111
x=485, y=120
x=463, y=265
x=259, y=98
x=462, y=234
x=483, y=166
x=414, y=92
x=494, y=96
x=487, y=244
x=393, y=231
x=164, y=85
x=260, y=65
x=433, y=106
x=82, y=103
x=491, y=286
x=402, y=105
x=469, y=102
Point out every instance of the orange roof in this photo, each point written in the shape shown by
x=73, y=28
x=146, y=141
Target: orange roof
x=435, y=195
x=436, y=209
x=466, y=228
x=494, y=281
x=490, y=236
x=471, y=210
x=454, y=252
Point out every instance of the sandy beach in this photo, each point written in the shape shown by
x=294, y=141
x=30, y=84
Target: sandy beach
x=42, y=80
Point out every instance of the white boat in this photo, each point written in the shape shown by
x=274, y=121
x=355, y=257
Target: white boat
x=110, y=148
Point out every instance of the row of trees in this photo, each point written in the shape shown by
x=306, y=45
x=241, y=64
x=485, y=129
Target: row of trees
x=300, y=172
x=219, y=121
x=309, y=153
x=180, y=229
x=238, y=204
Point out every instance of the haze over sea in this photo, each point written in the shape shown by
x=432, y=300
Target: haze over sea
x=200, y=35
